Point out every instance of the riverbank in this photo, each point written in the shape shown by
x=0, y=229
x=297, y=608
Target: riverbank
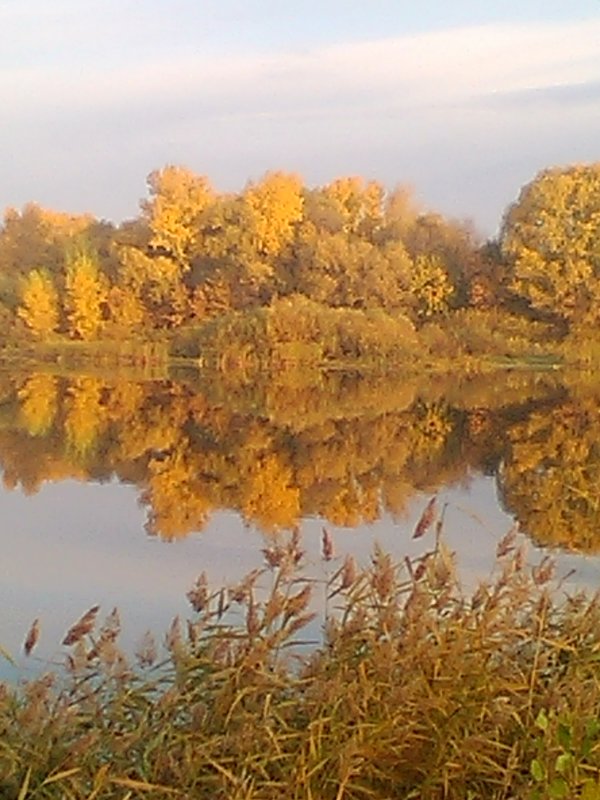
x=299, y=334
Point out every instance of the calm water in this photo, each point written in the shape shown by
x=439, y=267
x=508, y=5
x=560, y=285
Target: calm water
x=120, y=491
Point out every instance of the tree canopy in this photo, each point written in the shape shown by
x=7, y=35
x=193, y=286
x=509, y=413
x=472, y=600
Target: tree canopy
x=551, y=242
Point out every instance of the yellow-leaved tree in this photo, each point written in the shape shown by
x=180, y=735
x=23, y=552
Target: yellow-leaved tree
x=359, y=204
x=549, y=239
x=86, y=292
x=39, y=303
x=177, y=198
x=277, y=204
x=430, y=286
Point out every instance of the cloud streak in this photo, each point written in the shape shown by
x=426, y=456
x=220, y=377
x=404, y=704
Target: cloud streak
x=429, y=68
x=396, y=108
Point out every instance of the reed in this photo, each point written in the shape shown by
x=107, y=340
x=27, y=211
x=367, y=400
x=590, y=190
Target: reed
x=417, y=690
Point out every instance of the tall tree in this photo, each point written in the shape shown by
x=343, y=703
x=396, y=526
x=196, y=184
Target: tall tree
x=277, y=204
x=177, y=199
x=86, y=291
x=39, y=307
x=550, y=240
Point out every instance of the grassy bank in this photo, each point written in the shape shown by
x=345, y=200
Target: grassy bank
x=417, y=691
x=295, y=332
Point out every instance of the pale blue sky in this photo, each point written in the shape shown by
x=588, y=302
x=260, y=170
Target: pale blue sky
x=465, y=100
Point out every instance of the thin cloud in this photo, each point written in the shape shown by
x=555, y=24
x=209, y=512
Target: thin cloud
x=541, y=97
x=414, y=70
x=448, y=111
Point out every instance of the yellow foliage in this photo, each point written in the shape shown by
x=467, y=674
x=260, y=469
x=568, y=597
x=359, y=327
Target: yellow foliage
x=85, y=414
x=39, y=303
x=65, y=226
x=86, y=294
x=127, y=311
x=360, y=204
x=178, y=197
x=430, y=286
x=277, y=204
x=550, y=239
x=136, y=269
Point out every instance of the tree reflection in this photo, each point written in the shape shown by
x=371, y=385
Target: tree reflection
x=346, y=448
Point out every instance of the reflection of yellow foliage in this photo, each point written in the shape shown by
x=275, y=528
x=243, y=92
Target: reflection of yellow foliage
x=84, y=414
x=38, y=397
x=125, y=401
x=432, y=428
x=349, y=454
x=352, y=506
x=551, y=476
x=154, y=431
x=177, y=505
x=269, y=496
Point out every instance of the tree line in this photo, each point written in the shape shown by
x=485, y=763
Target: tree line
x=194, y=255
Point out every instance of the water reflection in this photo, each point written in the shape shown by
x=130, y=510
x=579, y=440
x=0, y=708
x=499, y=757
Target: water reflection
x=349, y=449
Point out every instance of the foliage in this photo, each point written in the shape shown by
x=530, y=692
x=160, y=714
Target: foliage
x=496, y=332
x=276, y=203
x=178, y=197
x=194, y=257
x=279, y=446
x=39, y=303
x=86, y=292
x=430, y=286
x=417, y=690
x=550, y=238
x=295, y=329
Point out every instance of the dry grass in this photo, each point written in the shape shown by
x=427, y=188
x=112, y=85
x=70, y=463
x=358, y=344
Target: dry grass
x=417, y=691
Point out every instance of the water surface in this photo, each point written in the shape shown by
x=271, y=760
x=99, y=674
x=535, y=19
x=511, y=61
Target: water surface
x=120, y=490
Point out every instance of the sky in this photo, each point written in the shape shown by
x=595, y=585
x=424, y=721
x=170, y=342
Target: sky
x=463, y=100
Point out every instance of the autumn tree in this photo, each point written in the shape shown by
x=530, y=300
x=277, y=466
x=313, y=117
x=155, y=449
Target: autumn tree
x=126, y=309
x=277, y=204
x=359, y=204
x=340, y=270
x=177, y=199
x=86, y=292
x=430, y=286
x=549, y=239
x=39, y=307
x=229, y=271
x=35, y=238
